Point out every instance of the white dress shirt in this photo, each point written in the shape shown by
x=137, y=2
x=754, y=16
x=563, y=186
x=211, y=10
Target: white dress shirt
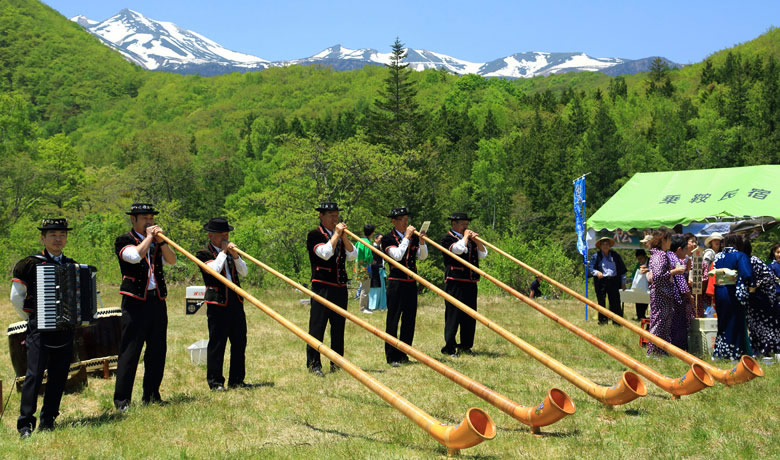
x=398, y=252
x=325, y=251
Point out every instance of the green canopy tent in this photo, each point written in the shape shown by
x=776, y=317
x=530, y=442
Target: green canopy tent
x=666, y=199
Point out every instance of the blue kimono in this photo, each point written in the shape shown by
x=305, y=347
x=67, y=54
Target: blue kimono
x=731, y=303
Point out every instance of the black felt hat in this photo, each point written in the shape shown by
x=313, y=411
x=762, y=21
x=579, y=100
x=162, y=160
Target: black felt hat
x=56, y=223
x=326, y=206
x=459, y=216
x=218, y=225
x=398, y=212
x=142, y=208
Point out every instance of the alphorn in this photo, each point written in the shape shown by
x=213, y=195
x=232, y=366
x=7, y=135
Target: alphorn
x=555, y=406
x=694, y=380
x=746, y=369
x=476, y=427
x=626, y=390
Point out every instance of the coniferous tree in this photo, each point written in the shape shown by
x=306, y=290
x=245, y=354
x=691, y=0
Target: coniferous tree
x=394, y=119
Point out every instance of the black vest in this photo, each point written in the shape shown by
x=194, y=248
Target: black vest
x=409, y=260
x=453, y=267
x=216, y=290
x=135, y=277
x=25, y=273
x=332, y=271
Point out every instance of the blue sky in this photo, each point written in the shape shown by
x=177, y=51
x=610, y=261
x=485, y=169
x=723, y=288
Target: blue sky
x=478, y=31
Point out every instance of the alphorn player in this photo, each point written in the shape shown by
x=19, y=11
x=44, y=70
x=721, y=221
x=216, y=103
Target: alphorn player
x=329, y=250
x=142, y=253
x=226, y=318
x=461, y=283
x=50, y=350
x=404, y=246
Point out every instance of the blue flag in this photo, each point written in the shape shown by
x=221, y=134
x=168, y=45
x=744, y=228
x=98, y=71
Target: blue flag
x=579, y=203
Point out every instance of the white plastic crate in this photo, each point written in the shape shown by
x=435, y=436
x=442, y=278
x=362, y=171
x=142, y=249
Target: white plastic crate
x=198, y=352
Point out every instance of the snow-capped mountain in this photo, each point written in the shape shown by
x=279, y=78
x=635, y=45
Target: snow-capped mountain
x=157, y=45
x=164, y=46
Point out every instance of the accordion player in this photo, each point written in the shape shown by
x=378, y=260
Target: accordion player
x=66, y=295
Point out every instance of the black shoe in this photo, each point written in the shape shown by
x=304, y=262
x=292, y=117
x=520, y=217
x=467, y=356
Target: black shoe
x=218, y=389
x=46, y=425
x=122, y=406
x=465, y=351
x=240, y=385
x=25, y=432
x=317, y=371
x=156, y=399
x=334, y=368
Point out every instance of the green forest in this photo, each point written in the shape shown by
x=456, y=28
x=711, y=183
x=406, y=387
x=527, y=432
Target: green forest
x=88, y=133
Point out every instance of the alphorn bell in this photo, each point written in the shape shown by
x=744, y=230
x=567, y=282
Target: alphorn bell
x=747, y=368
x=476, y=427
x=694, y=380
x=626, y=390
x=555, y=406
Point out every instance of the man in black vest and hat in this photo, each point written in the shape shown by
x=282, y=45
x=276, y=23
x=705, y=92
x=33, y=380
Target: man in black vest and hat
x=142, y=253
x=225, y=312
x=461, y=283
x=46, y=349
x=405, y=247
x=329, y=249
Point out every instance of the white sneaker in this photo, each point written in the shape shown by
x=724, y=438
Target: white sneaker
x=366, y=311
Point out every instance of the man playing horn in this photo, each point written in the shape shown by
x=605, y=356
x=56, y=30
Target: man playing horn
x=329, y=248
x=46, y=349
x=461, y=283
x=404, y=246
x=225, y=308
x=142, y=254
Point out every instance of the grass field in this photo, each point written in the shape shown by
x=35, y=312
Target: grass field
x=293, y=414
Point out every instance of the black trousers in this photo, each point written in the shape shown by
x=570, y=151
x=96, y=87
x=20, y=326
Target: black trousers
x=641, y=311
x=320, y=315
x=401, y=307
x=454, y=318
x=226, y=323
x=45, y=350
x=608, y=288
x=143, y=322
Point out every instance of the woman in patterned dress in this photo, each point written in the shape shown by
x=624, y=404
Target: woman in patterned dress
x=731, y=301
x=663, y=295
x=763, y=313
x=683, y=311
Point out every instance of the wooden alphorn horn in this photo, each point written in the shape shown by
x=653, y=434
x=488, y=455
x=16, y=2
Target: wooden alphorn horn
x=555, y=406
x=747, y=368
x=626, y=390
x=694, y=380
x=476, y=427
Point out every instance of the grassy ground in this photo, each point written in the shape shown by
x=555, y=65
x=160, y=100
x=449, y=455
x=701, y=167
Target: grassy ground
x=295, y=415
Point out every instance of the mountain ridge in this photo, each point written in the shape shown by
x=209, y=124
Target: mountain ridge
x=164, y=46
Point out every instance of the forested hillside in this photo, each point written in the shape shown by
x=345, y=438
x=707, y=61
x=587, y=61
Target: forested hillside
x=88, y=133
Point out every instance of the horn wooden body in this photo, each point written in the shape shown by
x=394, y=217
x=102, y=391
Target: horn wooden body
x=556, y=405
x=697, y=377
x=476, y=426
x=747, y=368
x=626, y=390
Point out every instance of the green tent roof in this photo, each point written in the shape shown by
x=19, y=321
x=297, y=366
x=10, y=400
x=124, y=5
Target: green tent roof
x=665, y=199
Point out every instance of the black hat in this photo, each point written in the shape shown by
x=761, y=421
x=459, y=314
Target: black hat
x=398, y=212
x=218, y=225
x=57, y=223
x=459, y=216
x=326, y=206
x=142, y=208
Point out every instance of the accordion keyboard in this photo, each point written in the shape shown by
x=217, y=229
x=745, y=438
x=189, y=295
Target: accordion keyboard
x=47, y=296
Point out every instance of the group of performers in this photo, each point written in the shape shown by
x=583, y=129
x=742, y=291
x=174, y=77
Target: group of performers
x=142, y=253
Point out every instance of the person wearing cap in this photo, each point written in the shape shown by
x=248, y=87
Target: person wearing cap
x=461, y=283
x=609, y=276
x=403, y=246
x=141, y=254
x=640, y=271
x=47, y=350
x=225, y=308
x=329, y=249
x=713, y=244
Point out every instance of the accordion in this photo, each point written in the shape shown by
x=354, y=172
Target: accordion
x=66, y=297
